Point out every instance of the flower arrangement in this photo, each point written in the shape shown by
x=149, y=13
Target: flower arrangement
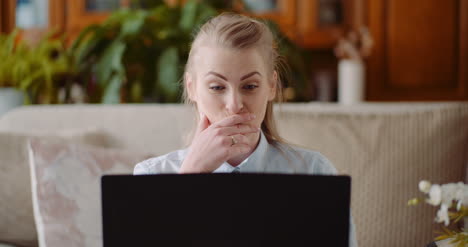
x=351, y=50
x=356, y=45
x=453, y=201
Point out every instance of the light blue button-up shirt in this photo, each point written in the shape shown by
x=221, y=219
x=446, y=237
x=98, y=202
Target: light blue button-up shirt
x=266, y=158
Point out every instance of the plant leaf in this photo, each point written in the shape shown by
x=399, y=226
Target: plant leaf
x=168, y=72
x=111, y=61
x=133, y=23
x=112, y=91
x=83, y=35
x=188, y=15
x=205, y=12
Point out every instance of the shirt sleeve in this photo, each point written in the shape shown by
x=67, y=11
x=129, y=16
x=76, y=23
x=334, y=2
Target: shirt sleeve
x=140, y=169
x=320, y=165
x=168, y=163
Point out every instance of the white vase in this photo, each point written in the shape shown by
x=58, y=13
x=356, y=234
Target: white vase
x=351, y=81
x=9, y=99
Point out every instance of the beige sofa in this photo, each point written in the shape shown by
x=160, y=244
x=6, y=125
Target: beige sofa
x=386, y=148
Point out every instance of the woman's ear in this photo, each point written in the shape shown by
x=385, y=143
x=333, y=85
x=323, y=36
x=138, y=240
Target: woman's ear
x=273, y=85
x=190, y=85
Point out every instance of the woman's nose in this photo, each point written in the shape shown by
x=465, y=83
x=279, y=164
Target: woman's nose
x=234, y=103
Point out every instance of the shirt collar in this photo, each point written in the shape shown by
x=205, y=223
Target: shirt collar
x=250, y=164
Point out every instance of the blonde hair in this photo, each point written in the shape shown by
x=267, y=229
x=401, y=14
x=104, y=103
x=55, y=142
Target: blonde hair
x=241, y=32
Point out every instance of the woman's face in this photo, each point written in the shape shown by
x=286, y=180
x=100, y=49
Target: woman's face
x=225, y=82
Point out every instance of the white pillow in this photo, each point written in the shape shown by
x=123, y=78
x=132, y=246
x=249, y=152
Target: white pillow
x=65, y=180
x=16, y=212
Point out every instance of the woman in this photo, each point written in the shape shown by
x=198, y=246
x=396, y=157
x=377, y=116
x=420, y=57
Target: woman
x=232, y=79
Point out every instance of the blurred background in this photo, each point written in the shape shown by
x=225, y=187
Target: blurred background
x=130, y=51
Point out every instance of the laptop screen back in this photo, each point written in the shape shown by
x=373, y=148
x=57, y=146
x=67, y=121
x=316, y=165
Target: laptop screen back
x=225, y=210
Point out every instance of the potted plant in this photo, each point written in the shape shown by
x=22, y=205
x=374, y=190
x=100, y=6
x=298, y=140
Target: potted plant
x=137, y=55
x=10, y=97
x=32, y=70
x=453, y=212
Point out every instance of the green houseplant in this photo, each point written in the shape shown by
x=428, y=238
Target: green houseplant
x=33, y=69
x=10, y=96
x=137, y=55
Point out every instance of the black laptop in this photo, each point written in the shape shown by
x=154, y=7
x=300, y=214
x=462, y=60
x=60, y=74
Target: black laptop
x=221, y=210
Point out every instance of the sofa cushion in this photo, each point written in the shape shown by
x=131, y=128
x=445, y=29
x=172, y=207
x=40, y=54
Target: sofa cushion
x=66, y=189
x=387, y=151
x=16, y=212
x=160, y=128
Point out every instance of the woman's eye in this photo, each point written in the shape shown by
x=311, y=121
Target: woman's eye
x=216, y=88
x=250, y=87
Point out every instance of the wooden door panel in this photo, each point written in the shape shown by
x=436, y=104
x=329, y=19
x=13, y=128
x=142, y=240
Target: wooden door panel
x=422, y=43
x=420, y=50
x=7, y=15
x=2, y=14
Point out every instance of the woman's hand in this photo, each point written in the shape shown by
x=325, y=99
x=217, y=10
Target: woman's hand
x=216, y=143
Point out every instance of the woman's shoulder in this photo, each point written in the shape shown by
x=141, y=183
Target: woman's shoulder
x=167, y=163
x=306, y=160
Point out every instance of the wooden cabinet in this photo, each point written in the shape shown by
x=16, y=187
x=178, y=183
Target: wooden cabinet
x=321, y=23
x=2, y=11
x=78, y=16
x=313, y=24
x=7, y=16
x=299, y=19
x=421, y=50
x=73, y=16
x=282, y=12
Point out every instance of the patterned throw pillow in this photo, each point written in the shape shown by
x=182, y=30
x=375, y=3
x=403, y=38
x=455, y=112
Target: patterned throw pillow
x=65, y=181
x=16, y=210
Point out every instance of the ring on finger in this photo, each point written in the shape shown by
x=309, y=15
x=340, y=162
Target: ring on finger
x=233, y=141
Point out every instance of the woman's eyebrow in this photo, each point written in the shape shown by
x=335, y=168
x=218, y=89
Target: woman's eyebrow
x=216, y=74
x=242, y=78
x=249, y=75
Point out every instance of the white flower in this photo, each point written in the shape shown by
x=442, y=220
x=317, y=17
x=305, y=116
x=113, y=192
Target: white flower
x=447, y=196
x=424, y=186
x=465, y=195
x=442, y=215
x=435, y=195
x=448, y=193
x=462, y=194
x=454, y=193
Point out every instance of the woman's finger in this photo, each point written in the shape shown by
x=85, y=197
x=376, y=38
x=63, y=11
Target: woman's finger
x=242, y=129
x=237, y=140
x=203, y=123
x=235, y=119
